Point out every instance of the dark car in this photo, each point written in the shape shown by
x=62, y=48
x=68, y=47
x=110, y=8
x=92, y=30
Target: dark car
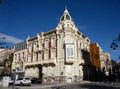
x=36, y=81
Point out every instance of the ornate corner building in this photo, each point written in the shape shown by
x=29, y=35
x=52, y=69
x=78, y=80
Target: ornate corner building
x=56, y=55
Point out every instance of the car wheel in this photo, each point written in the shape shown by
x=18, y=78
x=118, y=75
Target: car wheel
x=21, y=84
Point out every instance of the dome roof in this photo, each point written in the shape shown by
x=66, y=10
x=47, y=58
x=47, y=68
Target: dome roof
x=66, y=16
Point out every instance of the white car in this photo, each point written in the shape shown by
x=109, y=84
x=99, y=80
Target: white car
x=23, y=81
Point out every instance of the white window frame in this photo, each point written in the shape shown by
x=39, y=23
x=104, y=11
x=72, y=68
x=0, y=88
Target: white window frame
x=34, y=57
x=40, y=46
x=70, y=51
x=53, y=54
x=46, y=43
x=45, y=55
x=30, y=48
x=39, y=56
x=52, y=41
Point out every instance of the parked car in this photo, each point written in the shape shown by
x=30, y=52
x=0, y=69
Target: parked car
x=36, y=80
x=23, y=81
x=10, y=81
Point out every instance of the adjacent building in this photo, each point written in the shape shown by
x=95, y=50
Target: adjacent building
x=20, y=57
x=6, y=58
x=95, y=55
x=105, y=63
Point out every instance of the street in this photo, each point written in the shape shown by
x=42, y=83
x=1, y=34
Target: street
x=85, y=85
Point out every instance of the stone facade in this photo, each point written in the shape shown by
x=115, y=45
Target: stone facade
x=105, y=63
x=56, y=55
x=6, y=58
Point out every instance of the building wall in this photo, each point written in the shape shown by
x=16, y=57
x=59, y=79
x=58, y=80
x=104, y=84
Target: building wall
x=19, y=58
x=63, y=54
x=6, y=58
x=95, y=55
x=105, y=63
x=58, y=68
x=58, y=53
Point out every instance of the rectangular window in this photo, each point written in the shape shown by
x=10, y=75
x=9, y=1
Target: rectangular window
x=30, y=49
x=19, y=56
x=40, y=46
x=53, y=42
x=35, y=47
x=46, y=55
x=23, y=55
x=29, y=58
x=46, y=43
x=39, y=57
x=15, y=57
x=69, y=51
x=53, y=54
x=34, y=57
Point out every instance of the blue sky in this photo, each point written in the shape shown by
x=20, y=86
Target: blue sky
x=97, y=19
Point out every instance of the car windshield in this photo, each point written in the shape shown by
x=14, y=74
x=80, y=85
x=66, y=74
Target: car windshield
x=20, y=79
x=27, y=79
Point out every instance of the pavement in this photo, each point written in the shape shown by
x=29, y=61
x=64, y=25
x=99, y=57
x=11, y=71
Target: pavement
x=57, y=86
x=41, y=86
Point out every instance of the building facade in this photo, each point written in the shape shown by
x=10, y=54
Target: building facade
x=105, y=62
x=56, y=55
x=6, y=58
x=95, y=55
x=20, y=57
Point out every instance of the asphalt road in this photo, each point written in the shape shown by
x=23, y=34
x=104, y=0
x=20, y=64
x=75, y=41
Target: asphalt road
x=90, y=85
x=87, y=86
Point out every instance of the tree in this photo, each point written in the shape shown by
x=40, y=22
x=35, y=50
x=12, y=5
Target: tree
x=113, y=62
x=116, y=44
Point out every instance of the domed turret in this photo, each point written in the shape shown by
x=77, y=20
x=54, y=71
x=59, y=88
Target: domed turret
x=66, y=22
x=65, y=16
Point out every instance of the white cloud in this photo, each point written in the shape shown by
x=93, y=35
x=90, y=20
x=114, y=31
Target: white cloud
x=9, y=39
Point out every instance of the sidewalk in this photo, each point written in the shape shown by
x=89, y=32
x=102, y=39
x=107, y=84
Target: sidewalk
x=43, y=85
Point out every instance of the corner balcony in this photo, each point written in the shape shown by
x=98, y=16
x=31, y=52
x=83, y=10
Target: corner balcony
x=49, y=61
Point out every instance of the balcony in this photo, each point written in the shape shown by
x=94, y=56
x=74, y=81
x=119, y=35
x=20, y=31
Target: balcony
x=38, y=50
x=33, y=63
x=49, y=61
